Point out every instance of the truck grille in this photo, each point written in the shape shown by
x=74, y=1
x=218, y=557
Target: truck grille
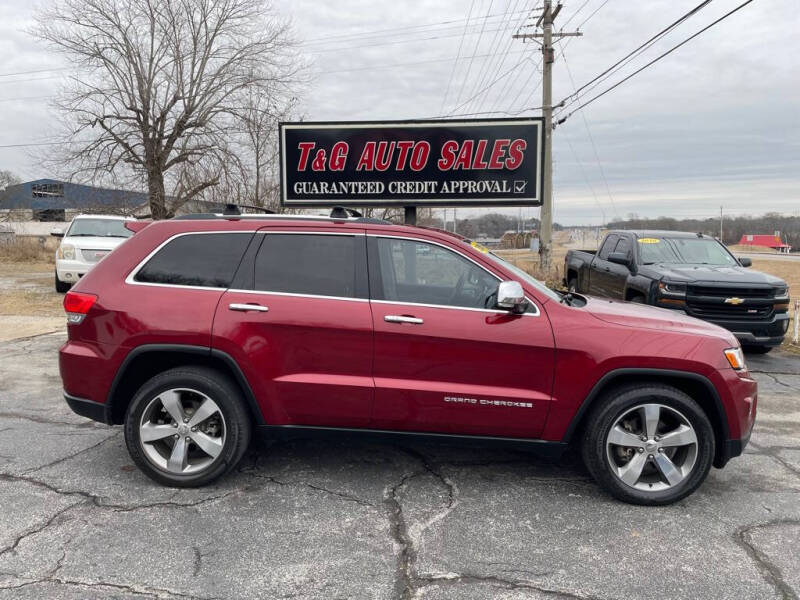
x=723, y=311
x=730, y=292
x=93, y=255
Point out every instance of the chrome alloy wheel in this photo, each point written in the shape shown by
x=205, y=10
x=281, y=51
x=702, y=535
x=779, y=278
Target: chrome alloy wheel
x=651, y=447
x=182, y=431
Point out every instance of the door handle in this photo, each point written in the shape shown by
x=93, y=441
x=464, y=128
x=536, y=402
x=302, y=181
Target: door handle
x=608, y=269
x=403, y=319
x=247, y=307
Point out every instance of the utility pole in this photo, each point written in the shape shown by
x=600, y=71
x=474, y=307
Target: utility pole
x=720, y=224
x=548, y=57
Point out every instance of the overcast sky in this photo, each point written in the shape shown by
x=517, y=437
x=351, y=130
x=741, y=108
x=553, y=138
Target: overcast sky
x=713, y=124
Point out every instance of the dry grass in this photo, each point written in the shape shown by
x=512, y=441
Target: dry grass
x=789, y=271
x=26, y=289
x=28, y=250
x=747, y=250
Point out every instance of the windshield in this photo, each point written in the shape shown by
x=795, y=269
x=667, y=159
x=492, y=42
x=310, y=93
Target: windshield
x=99, y=228
x=696, y=251
x=524, y=276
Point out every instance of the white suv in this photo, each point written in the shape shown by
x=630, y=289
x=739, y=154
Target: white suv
x=88, y=239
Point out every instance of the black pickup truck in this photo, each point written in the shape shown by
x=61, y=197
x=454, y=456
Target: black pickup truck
x=690, y=272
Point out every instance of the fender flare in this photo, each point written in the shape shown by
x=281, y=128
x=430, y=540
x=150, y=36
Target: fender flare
x=638, y=372
x=226, y=358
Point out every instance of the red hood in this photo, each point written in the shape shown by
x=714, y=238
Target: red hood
x=642, y=316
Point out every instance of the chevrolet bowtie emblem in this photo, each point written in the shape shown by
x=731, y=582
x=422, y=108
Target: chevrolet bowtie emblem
x=734, y=301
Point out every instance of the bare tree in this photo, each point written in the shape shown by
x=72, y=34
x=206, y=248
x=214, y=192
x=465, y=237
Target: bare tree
x=161, y=85
x=7, y=178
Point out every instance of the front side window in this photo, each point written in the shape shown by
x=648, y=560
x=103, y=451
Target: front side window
x=423, y=273
x=624, y=246
x=608, y=246
x=310, y=264
x=206, y=260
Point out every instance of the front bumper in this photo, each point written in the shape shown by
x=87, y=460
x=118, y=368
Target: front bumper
x=70, y=271
x=739, y=397
x=767, y=332
x=762, y=333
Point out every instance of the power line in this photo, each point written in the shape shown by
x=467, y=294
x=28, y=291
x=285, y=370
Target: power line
x=640, y=48
x=383, y=32
x=26, y=98
x=589, y=133
x=474, y=52
x=409, y=64
x=402, y=41
x=658, y=58
x=497, y=43
x=585, y=177
x=485, y=100
x=36, y=71
x=458, y=56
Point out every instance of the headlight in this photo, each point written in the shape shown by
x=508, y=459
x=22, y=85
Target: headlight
x=668, y=288
x=781, y=292
x=66, y=251
x=735, y=358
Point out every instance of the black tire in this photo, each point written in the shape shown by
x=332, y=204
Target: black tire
x=637, y=299
x=572, y=285
x=617, y=403
x=235, y=418
x=62, y=287
x=756, y=349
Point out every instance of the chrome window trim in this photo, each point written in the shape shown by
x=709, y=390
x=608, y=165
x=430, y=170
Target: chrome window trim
x=297, y=295
x=494, y=311
x=309, y=232
x=477, y=264
x=130, y=279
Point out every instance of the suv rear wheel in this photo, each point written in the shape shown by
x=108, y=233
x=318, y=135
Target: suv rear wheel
x=187, y=426
x=648, y=444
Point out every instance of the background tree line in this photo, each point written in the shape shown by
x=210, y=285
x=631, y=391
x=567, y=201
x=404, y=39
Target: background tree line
x=733, y=228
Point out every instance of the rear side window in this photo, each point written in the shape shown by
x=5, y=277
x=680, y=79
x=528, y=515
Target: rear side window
x=313, y=264
x=199, y=259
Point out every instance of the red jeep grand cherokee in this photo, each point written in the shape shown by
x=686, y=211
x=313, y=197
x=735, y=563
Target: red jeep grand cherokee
x=198, y=329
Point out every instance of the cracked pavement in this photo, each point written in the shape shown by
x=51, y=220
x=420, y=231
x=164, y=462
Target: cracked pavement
x=369, y=519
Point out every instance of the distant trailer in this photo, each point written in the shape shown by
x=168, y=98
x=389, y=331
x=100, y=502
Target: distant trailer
x=765, y=241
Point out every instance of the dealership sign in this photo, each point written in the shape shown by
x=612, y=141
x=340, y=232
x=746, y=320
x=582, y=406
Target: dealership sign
x=445, y=163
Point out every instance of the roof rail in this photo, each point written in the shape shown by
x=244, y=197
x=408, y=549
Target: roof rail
x=342, y=212
x=267, y=216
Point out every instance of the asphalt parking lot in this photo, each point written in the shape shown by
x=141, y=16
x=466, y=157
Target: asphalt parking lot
x=313, y=519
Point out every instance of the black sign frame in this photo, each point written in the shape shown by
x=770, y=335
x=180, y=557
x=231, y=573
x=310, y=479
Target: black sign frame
x=525, y=199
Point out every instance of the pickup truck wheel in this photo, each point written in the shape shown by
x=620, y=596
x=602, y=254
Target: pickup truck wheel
x=572, y=285
x=648, y=444
x=637, y=299
x=61, y=286
x=187, y=426
x=756, y=349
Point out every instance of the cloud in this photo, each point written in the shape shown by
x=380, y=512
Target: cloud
x=716, y=122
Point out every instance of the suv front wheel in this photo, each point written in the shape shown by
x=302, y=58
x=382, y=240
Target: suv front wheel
x=648, y=444
x=187, y=426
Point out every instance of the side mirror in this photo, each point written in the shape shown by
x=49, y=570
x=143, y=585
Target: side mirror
x=510, y=296
x=619, y=258
x=745, y=262
x=57, y=232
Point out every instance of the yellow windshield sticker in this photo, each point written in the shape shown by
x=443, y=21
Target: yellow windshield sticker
x=479, y=247
x=649, y=241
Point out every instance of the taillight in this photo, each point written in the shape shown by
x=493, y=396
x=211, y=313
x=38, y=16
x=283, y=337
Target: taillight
x=77, y=305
